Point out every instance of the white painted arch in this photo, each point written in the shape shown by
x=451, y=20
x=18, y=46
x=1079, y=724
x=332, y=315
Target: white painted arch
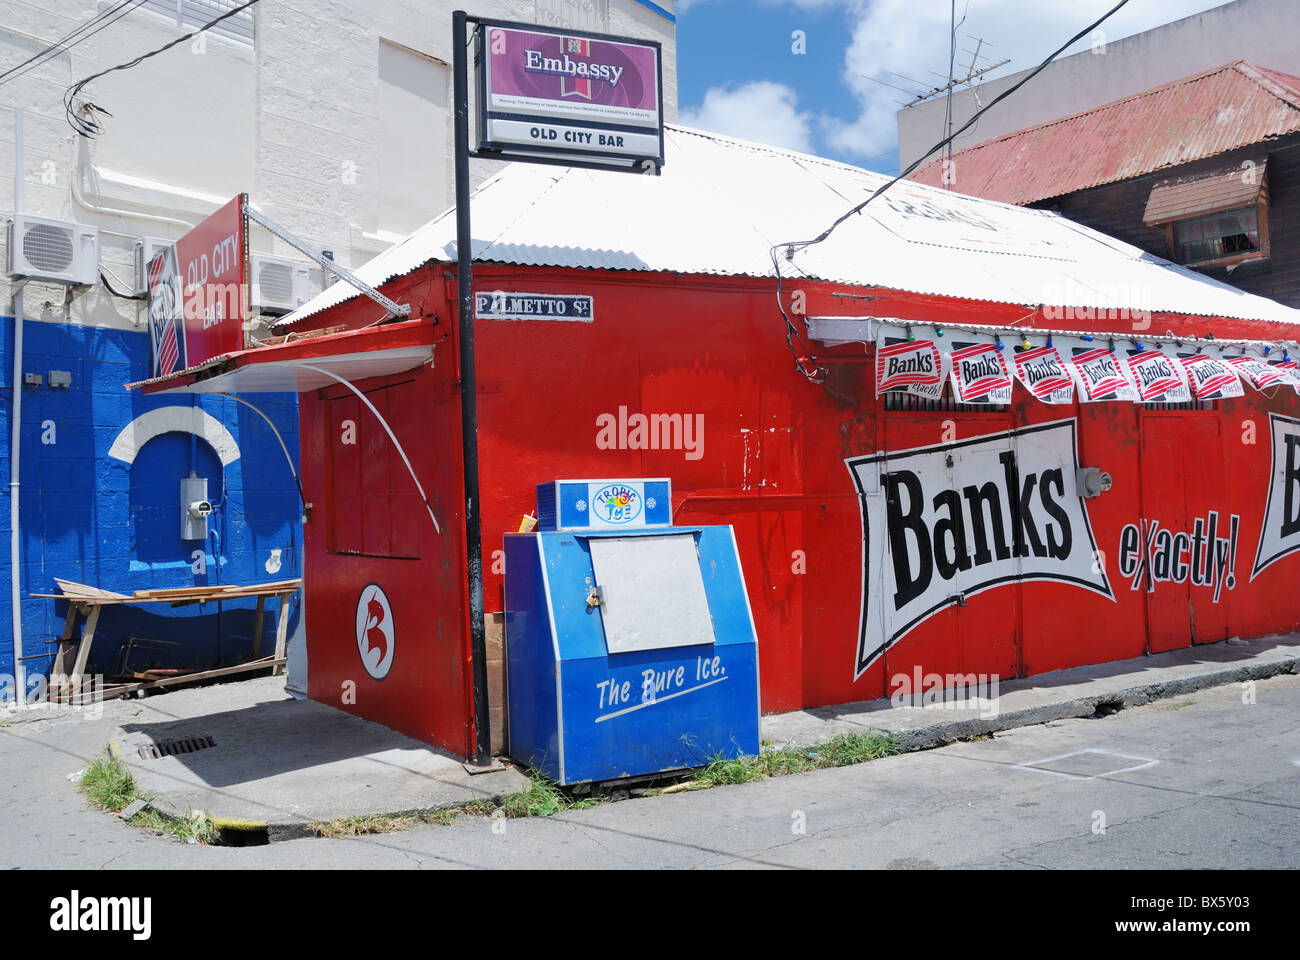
x=175, y=419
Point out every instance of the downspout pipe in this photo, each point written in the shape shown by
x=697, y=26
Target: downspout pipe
x=16, y=420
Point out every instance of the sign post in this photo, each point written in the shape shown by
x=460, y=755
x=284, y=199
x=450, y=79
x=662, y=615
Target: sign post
x=544, y=96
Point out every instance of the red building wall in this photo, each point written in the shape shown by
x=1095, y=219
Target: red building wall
x=771, y=461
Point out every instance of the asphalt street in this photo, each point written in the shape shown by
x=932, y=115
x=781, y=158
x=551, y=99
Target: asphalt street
x=1206, y=781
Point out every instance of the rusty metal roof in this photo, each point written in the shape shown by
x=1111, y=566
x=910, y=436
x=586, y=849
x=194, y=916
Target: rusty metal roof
x=1204, y=115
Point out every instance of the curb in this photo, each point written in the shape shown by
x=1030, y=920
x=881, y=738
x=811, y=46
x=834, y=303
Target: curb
x=237, y=832
x=941, y=734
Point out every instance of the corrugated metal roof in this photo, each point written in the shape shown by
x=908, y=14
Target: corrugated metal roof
x=1200, y=116
x=722, y=204
x=1229, y=186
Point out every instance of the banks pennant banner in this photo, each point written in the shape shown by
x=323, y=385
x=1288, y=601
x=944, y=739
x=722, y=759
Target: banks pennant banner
x=1157, y=377
x=1255, y=371
x=1043, y=372
x=1102, y=374
x=909, y=366
x=1210, y=377
x=1290, y=371
x=979, y=373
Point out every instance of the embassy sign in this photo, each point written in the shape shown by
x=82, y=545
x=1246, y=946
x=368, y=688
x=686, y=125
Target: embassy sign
x=569, y=97
x=941, y=523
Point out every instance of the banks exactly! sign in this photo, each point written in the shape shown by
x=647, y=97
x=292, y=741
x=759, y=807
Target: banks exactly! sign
x=568, y=97
x=946, y=522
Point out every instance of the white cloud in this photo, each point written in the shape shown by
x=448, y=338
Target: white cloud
x=761, y=111
x=911, y=38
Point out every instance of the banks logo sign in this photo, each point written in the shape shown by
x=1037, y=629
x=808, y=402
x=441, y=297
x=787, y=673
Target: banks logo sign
x=1043, y=373
x=942, y=523
x=909, y=366
x=1281, y=534
x=1156, y=377
x=979, y=374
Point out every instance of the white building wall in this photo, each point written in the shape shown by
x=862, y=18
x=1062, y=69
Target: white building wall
x=1264, y=32
x=336, y=121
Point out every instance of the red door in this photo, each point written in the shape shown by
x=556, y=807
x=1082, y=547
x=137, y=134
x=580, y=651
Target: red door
x=1182, y=498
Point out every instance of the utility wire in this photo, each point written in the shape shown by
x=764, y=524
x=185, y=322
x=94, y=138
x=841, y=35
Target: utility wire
x=817, y=374
x=88, y=126
x=66, y=42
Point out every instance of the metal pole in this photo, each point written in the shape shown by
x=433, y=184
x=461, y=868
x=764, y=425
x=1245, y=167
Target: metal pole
x=468, y=400
x=15, y=541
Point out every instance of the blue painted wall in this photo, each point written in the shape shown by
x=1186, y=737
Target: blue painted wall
x=94, y=519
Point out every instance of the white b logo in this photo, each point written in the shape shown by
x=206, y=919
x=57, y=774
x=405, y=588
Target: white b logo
x=375, y=631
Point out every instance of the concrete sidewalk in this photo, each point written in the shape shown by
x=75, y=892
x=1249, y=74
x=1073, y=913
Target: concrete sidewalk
x=275, y=762
x=286, y=763
x=1078, y=692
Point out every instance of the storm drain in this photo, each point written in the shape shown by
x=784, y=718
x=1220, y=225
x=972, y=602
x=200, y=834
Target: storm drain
x=170, y=748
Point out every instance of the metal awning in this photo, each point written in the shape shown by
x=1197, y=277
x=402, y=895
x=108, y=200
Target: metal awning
x=1228, y=186
x=307, y=364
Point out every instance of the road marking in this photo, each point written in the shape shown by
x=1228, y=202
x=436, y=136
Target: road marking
x=1034, y=764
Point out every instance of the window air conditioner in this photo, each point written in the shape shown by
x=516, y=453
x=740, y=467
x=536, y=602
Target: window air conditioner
x=53, y=251
x=278, y=286
x=145, y=250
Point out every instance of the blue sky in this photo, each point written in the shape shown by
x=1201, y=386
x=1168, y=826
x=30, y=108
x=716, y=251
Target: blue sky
x=738, y=72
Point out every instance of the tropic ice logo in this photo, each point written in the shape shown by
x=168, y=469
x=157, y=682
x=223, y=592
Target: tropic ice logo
x=617, y=503
x=375, y=631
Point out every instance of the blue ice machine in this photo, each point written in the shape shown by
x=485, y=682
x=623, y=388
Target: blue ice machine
x=630, y=645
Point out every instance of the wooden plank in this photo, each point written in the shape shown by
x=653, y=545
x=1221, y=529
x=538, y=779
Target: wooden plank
x=64, y=659
x=73, y=589
x=83, y=649
x=178, y=592
x=257, y=626
x=282, y=630
x=107, y=693
x=221, y=592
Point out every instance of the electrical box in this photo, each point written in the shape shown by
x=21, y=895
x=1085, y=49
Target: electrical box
x=195, y=508
x=630, y=646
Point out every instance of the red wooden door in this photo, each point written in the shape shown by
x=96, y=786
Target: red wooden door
x=1182, y=497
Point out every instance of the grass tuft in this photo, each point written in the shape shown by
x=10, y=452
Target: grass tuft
x=108, y=784
x=842, y=750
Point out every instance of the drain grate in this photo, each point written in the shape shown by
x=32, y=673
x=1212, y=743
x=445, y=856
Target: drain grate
x=170, y=748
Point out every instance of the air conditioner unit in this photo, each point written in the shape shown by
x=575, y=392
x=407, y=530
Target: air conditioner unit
x=145, y=250
x=278, y=285
x=52, y=250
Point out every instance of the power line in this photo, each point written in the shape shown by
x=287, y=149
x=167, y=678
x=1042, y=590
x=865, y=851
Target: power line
x=817, y=374
x=98, y=22
x=88, y=126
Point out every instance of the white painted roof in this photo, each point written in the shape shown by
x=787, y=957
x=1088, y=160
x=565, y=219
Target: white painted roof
x=721, y=204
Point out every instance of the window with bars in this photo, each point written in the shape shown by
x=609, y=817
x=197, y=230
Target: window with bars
x=1185, y=405
x=946, y=404
x=188, y=14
